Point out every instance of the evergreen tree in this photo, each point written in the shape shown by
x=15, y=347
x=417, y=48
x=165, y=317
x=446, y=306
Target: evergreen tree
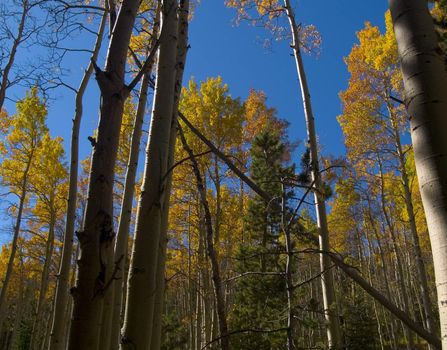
x=260, y=297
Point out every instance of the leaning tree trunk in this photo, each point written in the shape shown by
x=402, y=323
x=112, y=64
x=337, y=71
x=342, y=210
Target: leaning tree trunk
x=137, y=328
x=57, y=337
x=425, y=83
x=97, y=236
x=334, y=333
x=212, y=255
x=182, y=50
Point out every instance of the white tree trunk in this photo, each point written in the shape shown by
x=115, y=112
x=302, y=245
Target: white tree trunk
x=125, y=214
x=137, y=328
x=182, y=50
x=334, y=333
x=425, y=83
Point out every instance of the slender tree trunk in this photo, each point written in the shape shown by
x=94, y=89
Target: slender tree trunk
x=182, y=50
x=399, y=265
x=37, y=326
x=19, y=310
x=57, y=337
x=425, y=83
x=14, y=243
x=120, y=254
x=334, y=333
x=97, y=236
x=288, y=274
x=199, y=328
x=217, y=281
x=125, y=215
x=138, y=323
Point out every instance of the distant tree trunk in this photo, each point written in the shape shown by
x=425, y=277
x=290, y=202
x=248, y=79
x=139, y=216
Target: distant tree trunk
x=217, y=281
x=288, y=272
x=97, y=236
x=37, y=326
x=19, y=310
x=334, y=333
x=141, y=292
x=425, y=83
x=15, y=240
x=182, y=50
x=397, y=254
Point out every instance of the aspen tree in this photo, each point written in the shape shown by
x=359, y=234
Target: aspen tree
x=120, y=254
x=57, y=336
x=48, y=185
x=182, y=50
x=137, y=328
x=374, y=78
x=334, y=334
x=425, y=83
x=272, y=10
x=97, y=235
x=20, y=148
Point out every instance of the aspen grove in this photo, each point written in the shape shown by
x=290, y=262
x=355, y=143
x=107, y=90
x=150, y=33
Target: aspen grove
x=292, y=193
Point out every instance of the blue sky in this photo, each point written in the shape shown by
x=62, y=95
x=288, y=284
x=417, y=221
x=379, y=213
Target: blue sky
x=219, y=47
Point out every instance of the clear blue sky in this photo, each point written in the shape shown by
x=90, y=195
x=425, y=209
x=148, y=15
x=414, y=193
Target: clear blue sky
x=219, y=47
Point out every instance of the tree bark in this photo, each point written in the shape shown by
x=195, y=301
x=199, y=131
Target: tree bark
x=97, y=236
x=182, y=50
x=422, y=274
x=334, y=333
x=425, y=83
x=138, y=322
x=125, y=214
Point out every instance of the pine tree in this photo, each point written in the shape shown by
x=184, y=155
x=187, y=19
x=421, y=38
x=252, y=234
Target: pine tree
x=260, y=298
